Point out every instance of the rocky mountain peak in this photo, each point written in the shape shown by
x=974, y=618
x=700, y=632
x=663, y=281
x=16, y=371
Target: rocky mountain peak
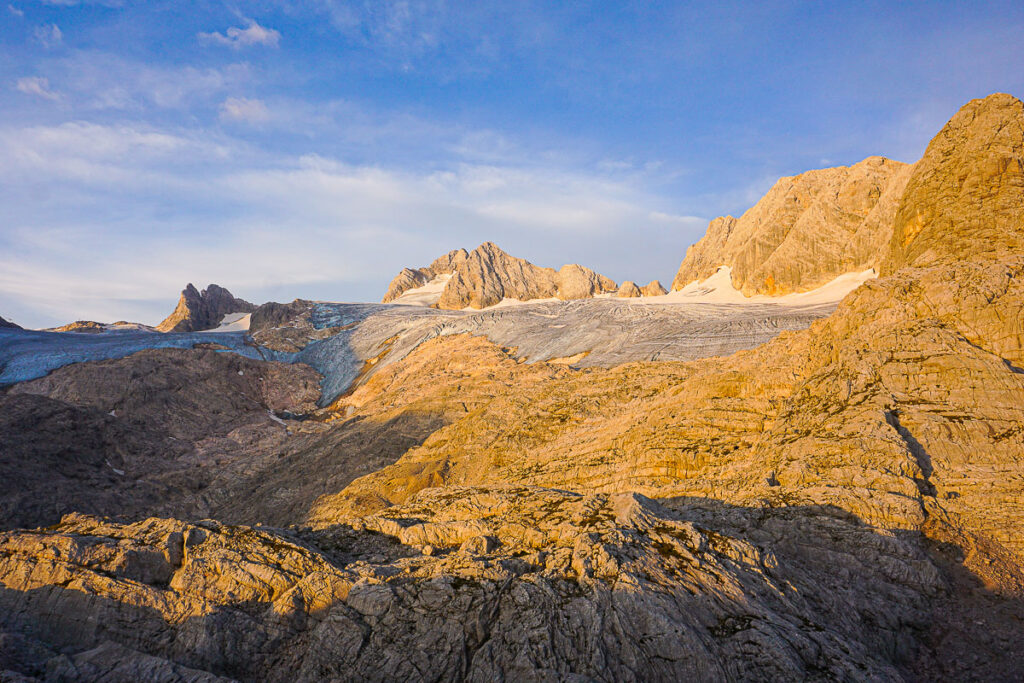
x=807, y=230
x=8, y=324
x=203, y=310
x=488, y=275
x=965, y=198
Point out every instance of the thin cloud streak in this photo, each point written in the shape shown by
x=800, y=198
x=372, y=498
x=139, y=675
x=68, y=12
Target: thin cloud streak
x=237, y=38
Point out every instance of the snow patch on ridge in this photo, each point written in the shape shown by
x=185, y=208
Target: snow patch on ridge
x=718, y=289
x=232, y=322
x=427, y=295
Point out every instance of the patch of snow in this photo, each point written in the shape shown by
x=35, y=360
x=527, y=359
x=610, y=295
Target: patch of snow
x=233, y=322
x=718, y=289
x=276, y=419
x=427, y=295
x=116, y=471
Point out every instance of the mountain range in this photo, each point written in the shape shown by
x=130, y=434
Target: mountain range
x=786, y=468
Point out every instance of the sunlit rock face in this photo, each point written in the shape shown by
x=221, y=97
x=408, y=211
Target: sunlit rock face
x=965, y=199
x=487, y=275
x=806, y=231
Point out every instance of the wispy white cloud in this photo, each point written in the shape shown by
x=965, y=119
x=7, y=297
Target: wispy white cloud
x=49, y=35
x=15, y=11
x=38, y=86
x=94, y=80
x=243, y=109
x=275, y=225
x=236, y=37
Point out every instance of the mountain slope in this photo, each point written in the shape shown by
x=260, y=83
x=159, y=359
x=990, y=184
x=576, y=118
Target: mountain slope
x=409, y=278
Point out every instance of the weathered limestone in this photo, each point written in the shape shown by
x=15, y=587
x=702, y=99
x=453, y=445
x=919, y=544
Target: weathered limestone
x=806, y=231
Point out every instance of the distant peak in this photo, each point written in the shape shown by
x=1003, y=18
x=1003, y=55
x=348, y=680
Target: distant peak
x=203, y=310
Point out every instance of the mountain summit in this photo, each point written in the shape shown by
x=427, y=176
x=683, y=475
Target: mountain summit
x=203, y=310
x=487, y=275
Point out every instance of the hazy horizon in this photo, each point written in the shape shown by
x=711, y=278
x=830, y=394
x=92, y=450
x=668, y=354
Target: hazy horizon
x=311, y=150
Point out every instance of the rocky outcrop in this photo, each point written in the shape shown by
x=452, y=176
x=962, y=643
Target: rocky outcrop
x=965, y=199
x=500, y=583
x=203, y=310
x=489, y=275
x=86, y=326
x=806, y=231
x=93, y=327
x=8, y=325
x=653, y=288
x=628, y=290
x=409, y=278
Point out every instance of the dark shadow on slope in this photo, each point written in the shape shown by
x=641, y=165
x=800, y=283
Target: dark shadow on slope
x=283, y=489
x=969, y=630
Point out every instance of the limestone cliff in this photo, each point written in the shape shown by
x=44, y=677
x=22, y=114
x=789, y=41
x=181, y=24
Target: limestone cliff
x=965, y=198
x=807, y=230
x=653, y=288
x=203, y=310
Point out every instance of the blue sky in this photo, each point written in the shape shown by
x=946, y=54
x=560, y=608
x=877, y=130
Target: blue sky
x=312, y=149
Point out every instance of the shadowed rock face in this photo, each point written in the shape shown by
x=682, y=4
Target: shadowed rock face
x=9, y=324
x=806, y=231
x=965, y=198
x=203, y=310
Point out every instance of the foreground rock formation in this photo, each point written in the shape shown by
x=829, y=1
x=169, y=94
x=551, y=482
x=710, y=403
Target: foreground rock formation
x=479, y=583
x=477, y=498
x=487, y=275
x=203, y=310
